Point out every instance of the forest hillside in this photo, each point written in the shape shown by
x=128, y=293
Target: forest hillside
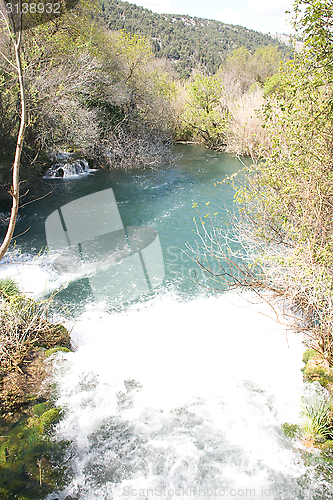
x=186, y=42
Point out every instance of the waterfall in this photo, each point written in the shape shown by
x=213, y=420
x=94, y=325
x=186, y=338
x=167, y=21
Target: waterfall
x=68, y=169
x=174, y=398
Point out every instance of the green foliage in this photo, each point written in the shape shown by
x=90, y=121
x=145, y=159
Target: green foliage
x=205, y=113
x=247, y=68
x=8, y=288
x=318, y=422
x=31, y=462
x=315, y=27
x=308, y=354
x=319, y=374
x=271, y=84
x=188, y=42
x=290, y=430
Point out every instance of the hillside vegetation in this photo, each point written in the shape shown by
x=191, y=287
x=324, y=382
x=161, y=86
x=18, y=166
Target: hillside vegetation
x=187, y=42
x=104, y=95
x=87, y=89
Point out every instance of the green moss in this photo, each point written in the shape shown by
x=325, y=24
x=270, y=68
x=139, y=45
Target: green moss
x=327, y=451
x=51, y=351
x=328, y=446
x=29, y=450
x=290, y=430
x=309, y=354
x=41, y=408
x=49, y=418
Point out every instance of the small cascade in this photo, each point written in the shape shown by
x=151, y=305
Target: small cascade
x=68, y=169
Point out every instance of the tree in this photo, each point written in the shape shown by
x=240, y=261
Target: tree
x=205, y=112
x=14, y=20
x=315, y=27
x=15, y=34
x=244, y=68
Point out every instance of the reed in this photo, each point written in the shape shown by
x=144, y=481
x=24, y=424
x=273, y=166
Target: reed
x=246, y=133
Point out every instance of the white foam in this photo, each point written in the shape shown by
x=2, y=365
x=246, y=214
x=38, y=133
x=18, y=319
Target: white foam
x=173, y=394
x=214, y=378
x=34, y=276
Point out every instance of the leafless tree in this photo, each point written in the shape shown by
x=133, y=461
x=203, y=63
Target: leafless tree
x=15, y=35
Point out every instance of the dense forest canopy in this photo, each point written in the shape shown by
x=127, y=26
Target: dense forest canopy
x=188, y=42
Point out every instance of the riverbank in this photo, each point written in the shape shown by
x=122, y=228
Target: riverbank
x=30, y=461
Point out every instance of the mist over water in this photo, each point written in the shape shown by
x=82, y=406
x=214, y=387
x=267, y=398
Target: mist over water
x=177, y=393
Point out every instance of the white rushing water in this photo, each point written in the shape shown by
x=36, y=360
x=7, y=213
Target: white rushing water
x=182, y=399
x=68, y=169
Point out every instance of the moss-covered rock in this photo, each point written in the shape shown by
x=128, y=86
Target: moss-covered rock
x=30, y=460
x=49, y=418
x=326, y=451
x=53, y=350
x=317, y=369
x=41, y=408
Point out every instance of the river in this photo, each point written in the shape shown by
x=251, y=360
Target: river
x=173, y=390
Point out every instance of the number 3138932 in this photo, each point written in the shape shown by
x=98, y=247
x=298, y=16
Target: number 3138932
x=33, y=8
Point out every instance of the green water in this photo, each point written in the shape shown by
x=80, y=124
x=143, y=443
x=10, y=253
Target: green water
x=162, y=199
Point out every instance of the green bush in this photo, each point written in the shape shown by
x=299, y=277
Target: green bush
x=318, y=422
x=318, y=373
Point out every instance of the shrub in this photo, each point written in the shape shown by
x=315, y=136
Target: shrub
x=308, y=354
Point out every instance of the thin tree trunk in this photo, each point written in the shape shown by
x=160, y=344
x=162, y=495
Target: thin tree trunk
x=15, y=190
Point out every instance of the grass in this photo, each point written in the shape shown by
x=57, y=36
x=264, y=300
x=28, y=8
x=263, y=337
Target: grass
x=8, y=288
x=318, y=423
